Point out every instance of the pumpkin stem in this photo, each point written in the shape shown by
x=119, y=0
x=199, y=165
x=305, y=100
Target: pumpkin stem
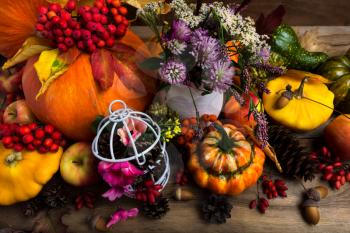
x=299, y=92
x=226, y=143
x=13, y=158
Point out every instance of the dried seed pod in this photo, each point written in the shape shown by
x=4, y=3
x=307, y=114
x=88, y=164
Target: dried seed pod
x=182, y=194
x=99, y=223
x=311, y=215
x=322, y=190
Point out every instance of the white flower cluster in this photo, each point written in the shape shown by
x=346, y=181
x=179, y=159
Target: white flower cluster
x=240, y=28
x=186, y=12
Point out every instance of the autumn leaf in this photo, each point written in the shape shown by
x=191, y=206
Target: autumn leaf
x=32, y=46
x=61, y=2
x=51, y=65
x=102, y=68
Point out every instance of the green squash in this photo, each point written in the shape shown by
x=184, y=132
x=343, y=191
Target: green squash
x=284, y=42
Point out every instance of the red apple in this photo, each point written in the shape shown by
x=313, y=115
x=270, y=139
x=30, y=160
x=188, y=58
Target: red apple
x=337, y=136
x=18, y=112
x=238, y=114
x=78, y=165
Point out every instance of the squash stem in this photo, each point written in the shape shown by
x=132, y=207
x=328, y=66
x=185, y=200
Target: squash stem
x=300, y=90
x=226, y=143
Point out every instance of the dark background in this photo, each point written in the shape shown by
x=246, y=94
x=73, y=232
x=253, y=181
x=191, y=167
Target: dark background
x=304, y=12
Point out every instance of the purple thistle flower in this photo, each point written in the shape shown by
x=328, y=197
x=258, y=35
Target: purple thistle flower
x=264, y=54
x=205, y=49
x=180, y=31
x=173, y=71
x=176, y=47
x=261, y=129
x=247, y=79
x=220, y=75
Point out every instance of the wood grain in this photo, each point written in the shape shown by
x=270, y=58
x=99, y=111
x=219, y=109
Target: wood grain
x=283, y=215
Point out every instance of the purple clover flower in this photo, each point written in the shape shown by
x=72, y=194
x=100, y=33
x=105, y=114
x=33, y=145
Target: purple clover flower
x=220, y=75
x=180, y=31
x=206, y=50
x=173, y=71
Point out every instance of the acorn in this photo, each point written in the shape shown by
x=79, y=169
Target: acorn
x=182, y=194
x=322, y=190
x=311, y=212
x=285, y=97
x=99, y=223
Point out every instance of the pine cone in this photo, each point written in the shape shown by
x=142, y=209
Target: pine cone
x=156, y=210
x=54, y=196
x=294, y=158
x=104, y=142
x=216, y=209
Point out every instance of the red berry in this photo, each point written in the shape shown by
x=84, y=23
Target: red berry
x=76, y=34
x=347, y=176
x=9, y=146
x=91, y=48
x=114, y=11
x=43, y=150
x=101, y=44
x=48, y=25
x=328, y=168
x=109, y=1
x=42, y=19
x=342, y=180
x=81, y=45
x=28, y=139
x=104, y=19
x=116, y=3
x=86, y=34
x=118, y=19
x=122, y=10
x=23, y=130
x=327, y=176
x=98, y=5
x=55, y=7
x=56, y=136
x=120, y=30
x=69, y=42
x=252, y=204
x=37, y=142
x=282, y=194
x=51, y=14
x=95, y=39
x=58, y=32
x=48, y=142
x=87, y=16
x=66, y=15
x=94, y=10
x=337, y=185
x=341, y=172
x=56, y=20
x=42, y=10
x=15, y=139
x=49, y=129
x=111, y=28
x=73, y=24
x=71, y=5
x=62, y=47
x=125, y=22
x=30, y=147
x=39, y=27
x=96, y=17
x=18, y=147
x=7, y=140
x=39, y=133
x=337, y=164
x=68, y=32
x=91, y=26
x=105, y=35
x=63, y=24
x=33, y=126
x=54, y=148
x=104, y=10
x=321, y=166
x=110, y=42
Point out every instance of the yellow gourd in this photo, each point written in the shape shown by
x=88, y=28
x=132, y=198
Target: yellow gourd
x=23, y=174
x=299, y=100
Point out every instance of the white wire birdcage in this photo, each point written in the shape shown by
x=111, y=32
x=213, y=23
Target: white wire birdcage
x=121, y=116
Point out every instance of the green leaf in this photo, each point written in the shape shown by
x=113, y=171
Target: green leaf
x=152, y=63
x=96, y=122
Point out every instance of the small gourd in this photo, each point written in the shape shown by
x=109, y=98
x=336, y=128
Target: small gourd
x=225, y=162
x=23, y=174
x=299, y=100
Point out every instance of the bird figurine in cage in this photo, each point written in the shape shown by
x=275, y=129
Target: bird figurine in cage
x=134, y=160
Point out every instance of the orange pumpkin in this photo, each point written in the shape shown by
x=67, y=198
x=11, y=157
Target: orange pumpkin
x=73, y=100
x=225, y=162
x=18, y=18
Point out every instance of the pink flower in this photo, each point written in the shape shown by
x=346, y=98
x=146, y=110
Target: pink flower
x=136, y=128
x=122, y=215
x=118, y=176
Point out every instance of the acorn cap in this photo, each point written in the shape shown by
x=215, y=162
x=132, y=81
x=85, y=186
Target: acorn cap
x=323, y=191
x=313, y=194
x=182, y=194
x=310, y=203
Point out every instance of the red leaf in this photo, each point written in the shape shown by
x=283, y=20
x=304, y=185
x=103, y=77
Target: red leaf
x=70, y=56
x=102, y=65
x=266, y=25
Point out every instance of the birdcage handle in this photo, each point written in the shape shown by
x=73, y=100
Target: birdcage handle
x=142, y=161
x=120, y=114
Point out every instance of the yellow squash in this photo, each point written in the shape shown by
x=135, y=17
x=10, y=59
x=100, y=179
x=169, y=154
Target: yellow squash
x=299, y=100
x=23, y=174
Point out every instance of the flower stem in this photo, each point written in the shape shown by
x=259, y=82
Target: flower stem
x=198, y=7
x=195, y=107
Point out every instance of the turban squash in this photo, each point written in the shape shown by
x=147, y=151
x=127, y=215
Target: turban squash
x=23, y=174
x=73, y=100
x=225, y=162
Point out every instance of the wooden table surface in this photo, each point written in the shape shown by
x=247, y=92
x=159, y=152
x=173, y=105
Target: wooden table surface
x=284, y=215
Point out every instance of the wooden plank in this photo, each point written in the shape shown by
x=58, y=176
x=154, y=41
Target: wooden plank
x=283, y=215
